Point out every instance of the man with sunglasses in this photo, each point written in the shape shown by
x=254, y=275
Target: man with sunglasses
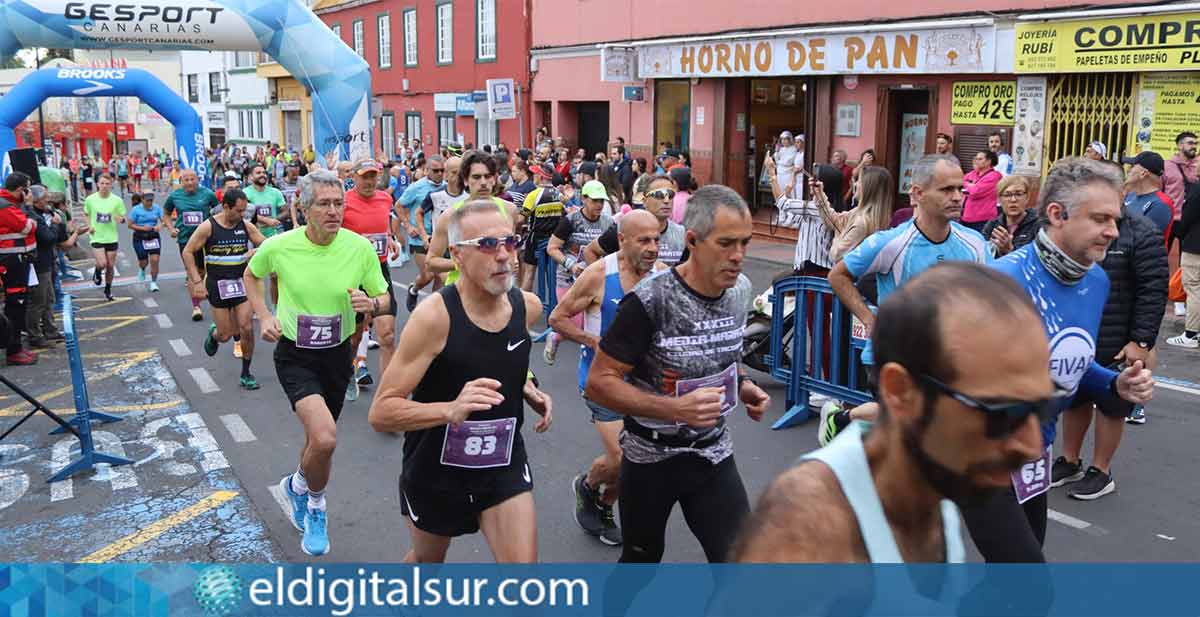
x=418, y=222
x=321, y=269
x=670, y=363
x=954, y=425
x=594, y=299
x=464, y=359
x=1080, y=203
x=658, y=193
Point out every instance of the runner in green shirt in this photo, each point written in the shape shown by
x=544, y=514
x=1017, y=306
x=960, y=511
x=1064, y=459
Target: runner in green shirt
x=187, y=207
x=266, y=202
x=104, y=211
x=323, y=272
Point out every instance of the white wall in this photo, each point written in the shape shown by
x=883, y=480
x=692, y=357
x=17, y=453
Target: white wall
x=248, y=95
x=203, y=64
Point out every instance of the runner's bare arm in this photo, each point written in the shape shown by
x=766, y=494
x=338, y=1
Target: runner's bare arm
x=438, y=244
x=421, y=340
x=843, y=285
x=555, y=252
x=579, y=298
x=608, y=387
x=195, y=243
x=593, y=253
x=256, y=237
x=533, y=309
x=803, y=517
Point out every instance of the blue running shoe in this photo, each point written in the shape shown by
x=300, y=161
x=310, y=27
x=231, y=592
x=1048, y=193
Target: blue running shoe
x=316, y=539
x=299, y=502
x=363, y=376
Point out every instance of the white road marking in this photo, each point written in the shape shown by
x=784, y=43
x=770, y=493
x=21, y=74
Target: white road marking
x=150, y=303
x=1071, y=521
x=1171, y=386
x=180, y=347
x=203, y=441
x=238, y=428
x=282, y=500
x=1165, y=537
x=164, y=322
x=204, y=380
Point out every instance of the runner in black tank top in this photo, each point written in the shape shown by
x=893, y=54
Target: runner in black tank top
x=464, y=357
x=225, y=239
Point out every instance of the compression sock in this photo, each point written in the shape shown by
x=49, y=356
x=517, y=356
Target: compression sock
x=195, y=303
x=316, y=500
x=299, y=483
x=245, y=366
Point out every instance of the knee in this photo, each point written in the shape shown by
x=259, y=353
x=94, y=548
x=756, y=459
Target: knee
x=323, y=441
x=386, y=334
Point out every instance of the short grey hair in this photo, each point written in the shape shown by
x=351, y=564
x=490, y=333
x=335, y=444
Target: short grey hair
x=923, y=170
x=1068, y=177
x=475, y=206
x=701, y=214
x=38, y=192
x=314, y=179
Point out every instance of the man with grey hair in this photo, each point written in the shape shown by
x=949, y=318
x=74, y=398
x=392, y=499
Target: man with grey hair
x=1080, y=206
x=899, y=254
x=463, y=358
x=583, y=315
x=670, y=363
x=326, y=275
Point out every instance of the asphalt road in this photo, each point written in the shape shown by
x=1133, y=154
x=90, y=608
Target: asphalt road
x=1149, y=518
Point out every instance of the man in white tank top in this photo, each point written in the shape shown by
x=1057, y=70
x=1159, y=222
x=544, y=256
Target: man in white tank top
x=954, y=427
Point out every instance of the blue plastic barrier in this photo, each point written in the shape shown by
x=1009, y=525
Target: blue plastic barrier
x=547, y=291
x=803, y=375
x=84, y=414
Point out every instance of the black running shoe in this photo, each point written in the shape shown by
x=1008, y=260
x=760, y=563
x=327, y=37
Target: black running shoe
x=1094, y=485
x=97, y=276
x=411, y=302
x=610, y=534
x=587, y=513
x=1064, y=472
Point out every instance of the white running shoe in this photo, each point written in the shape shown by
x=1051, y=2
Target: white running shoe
x=1183, y=340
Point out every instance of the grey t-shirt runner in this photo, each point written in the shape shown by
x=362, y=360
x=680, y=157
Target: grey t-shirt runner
x=576, y=232
x=671, y=334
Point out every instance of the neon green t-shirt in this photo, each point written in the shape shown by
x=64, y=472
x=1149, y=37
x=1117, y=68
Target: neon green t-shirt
x=270, y=197
x=102, y=213
x=313, y=279
x=501, y=205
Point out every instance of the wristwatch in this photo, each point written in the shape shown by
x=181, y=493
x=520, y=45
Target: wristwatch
x=1143, y=344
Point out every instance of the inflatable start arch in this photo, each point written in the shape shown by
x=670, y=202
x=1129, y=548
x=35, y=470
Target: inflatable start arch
x=338, y=79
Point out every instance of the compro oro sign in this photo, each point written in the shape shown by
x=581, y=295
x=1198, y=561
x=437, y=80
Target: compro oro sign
x=1155, y=43
x=951, y=50
x=984, y=102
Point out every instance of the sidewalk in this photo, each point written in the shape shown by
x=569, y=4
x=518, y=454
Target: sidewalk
x=772, y=252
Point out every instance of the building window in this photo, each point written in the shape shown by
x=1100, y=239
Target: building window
x=412, y=126
x=410, y=37
x=445, y=33
x=359, y=47
x=193, y=88
x=446, y=132
x=241, y=123
x=337, y=30
x=485, y=29
x=387, y=134
x=385, y=41
x=259, y=124
x=672, y=112
x=214, y=87
x=244, y=59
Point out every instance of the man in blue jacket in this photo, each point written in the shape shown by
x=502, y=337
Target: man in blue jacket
x=1080, y=208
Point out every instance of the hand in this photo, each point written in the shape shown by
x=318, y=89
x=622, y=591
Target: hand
x=174, y=232
x=541, y=404
x=476, y=395
x=755, y=399
x=592, y=341
x=1131, y=353
x=393, y=247
x=360, y=301
x=270, y=328
x=56, y=219
x=578, y=268
x=787, y=190
x=1002, y=239
x=1135, y=384
x=157, y=227
x=769, y=162
x=700, y=408
x=568, y=192
x=199, y=291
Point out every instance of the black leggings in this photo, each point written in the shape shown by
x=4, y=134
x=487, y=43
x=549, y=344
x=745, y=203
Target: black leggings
x=713, y=499
x=1005, y=531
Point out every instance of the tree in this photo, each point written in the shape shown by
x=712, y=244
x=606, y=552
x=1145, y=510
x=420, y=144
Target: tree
x=11, y=61
x=65, y=54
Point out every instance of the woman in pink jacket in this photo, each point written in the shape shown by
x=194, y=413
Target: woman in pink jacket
x=979, y=203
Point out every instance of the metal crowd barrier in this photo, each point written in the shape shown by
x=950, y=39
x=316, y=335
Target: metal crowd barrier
x=547, y=291
x=81, y=424
x=803, y=369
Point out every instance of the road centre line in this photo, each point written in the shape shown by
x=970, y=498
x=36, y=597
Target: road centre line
x=180, y=347
x=238, y=428
x=163, y=320
x=150, y=303
x=203, y=380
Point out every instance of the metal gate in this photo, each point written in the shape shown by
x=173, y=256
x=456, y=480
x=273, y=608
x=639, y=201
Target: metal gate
x=1086, y=108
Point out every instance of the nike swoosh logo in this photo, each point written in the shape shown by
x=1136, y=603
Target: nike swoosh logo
x=512, y=346
x=411, y=513
x=524, y=474
x=616, y=300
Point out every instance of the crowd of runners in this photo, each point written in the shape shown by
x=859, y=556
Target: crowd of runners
x=658, y=307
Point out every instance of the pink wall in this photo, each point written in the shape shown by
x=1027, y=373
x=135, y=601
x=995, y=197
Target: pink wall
x=574, y=22
x=565, y=80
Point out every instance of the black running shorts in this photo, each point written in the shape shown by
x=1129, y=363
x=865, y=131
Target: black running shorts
x=305, y=372
x=451, y=514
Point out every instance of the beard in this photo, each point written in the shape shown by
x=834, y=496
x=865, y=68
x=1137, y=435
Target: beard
x=499, y=287
x=956, y=487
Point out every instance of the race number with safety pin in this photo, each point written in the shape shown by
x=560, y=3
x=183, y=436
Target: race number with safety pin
x=726, y=379
x=151, y=245
x=1033, y=478
x=103, y=217
x=479, y=443
x=229, y=289
x=193, y=218
x=380, y=242
x=263, y=211
x=318, y=332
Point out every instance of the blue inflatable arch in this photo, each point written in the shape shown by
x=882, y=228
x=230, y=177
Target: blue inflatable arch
x=77, y=81
x=338, y=79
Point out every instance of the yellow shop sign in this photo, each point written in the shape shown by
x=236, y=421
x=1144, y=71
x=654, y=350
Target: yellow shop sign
x=1152, y=43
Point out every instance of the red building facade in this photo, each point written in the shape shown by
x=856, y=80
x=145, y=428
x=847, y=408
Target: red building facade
x=430, y=61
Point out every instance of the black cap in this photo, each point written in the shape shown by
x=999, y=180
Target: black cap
x=1150, y=161
x=588, y=167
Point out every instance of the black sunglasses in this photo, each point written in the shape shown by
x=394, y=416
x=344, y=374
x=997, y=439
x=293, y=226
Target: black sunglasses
x=488, y=244
x=1005, y=417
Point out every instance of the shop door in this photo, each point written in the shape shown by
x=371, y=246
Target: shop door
x=903, y=134
x=1085, y=108
x=593, y=127
x=291, y=129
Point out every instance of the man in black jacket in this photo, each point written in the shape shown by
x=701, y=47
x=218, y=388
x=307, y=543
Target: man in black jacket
x=1187, y=229
x=1136, y=265
x=51, y=231
x=623, y=165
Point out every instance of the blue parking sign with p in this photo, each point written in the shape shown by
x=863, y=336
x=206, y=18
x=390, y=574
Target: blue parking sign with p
x=502, y=92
